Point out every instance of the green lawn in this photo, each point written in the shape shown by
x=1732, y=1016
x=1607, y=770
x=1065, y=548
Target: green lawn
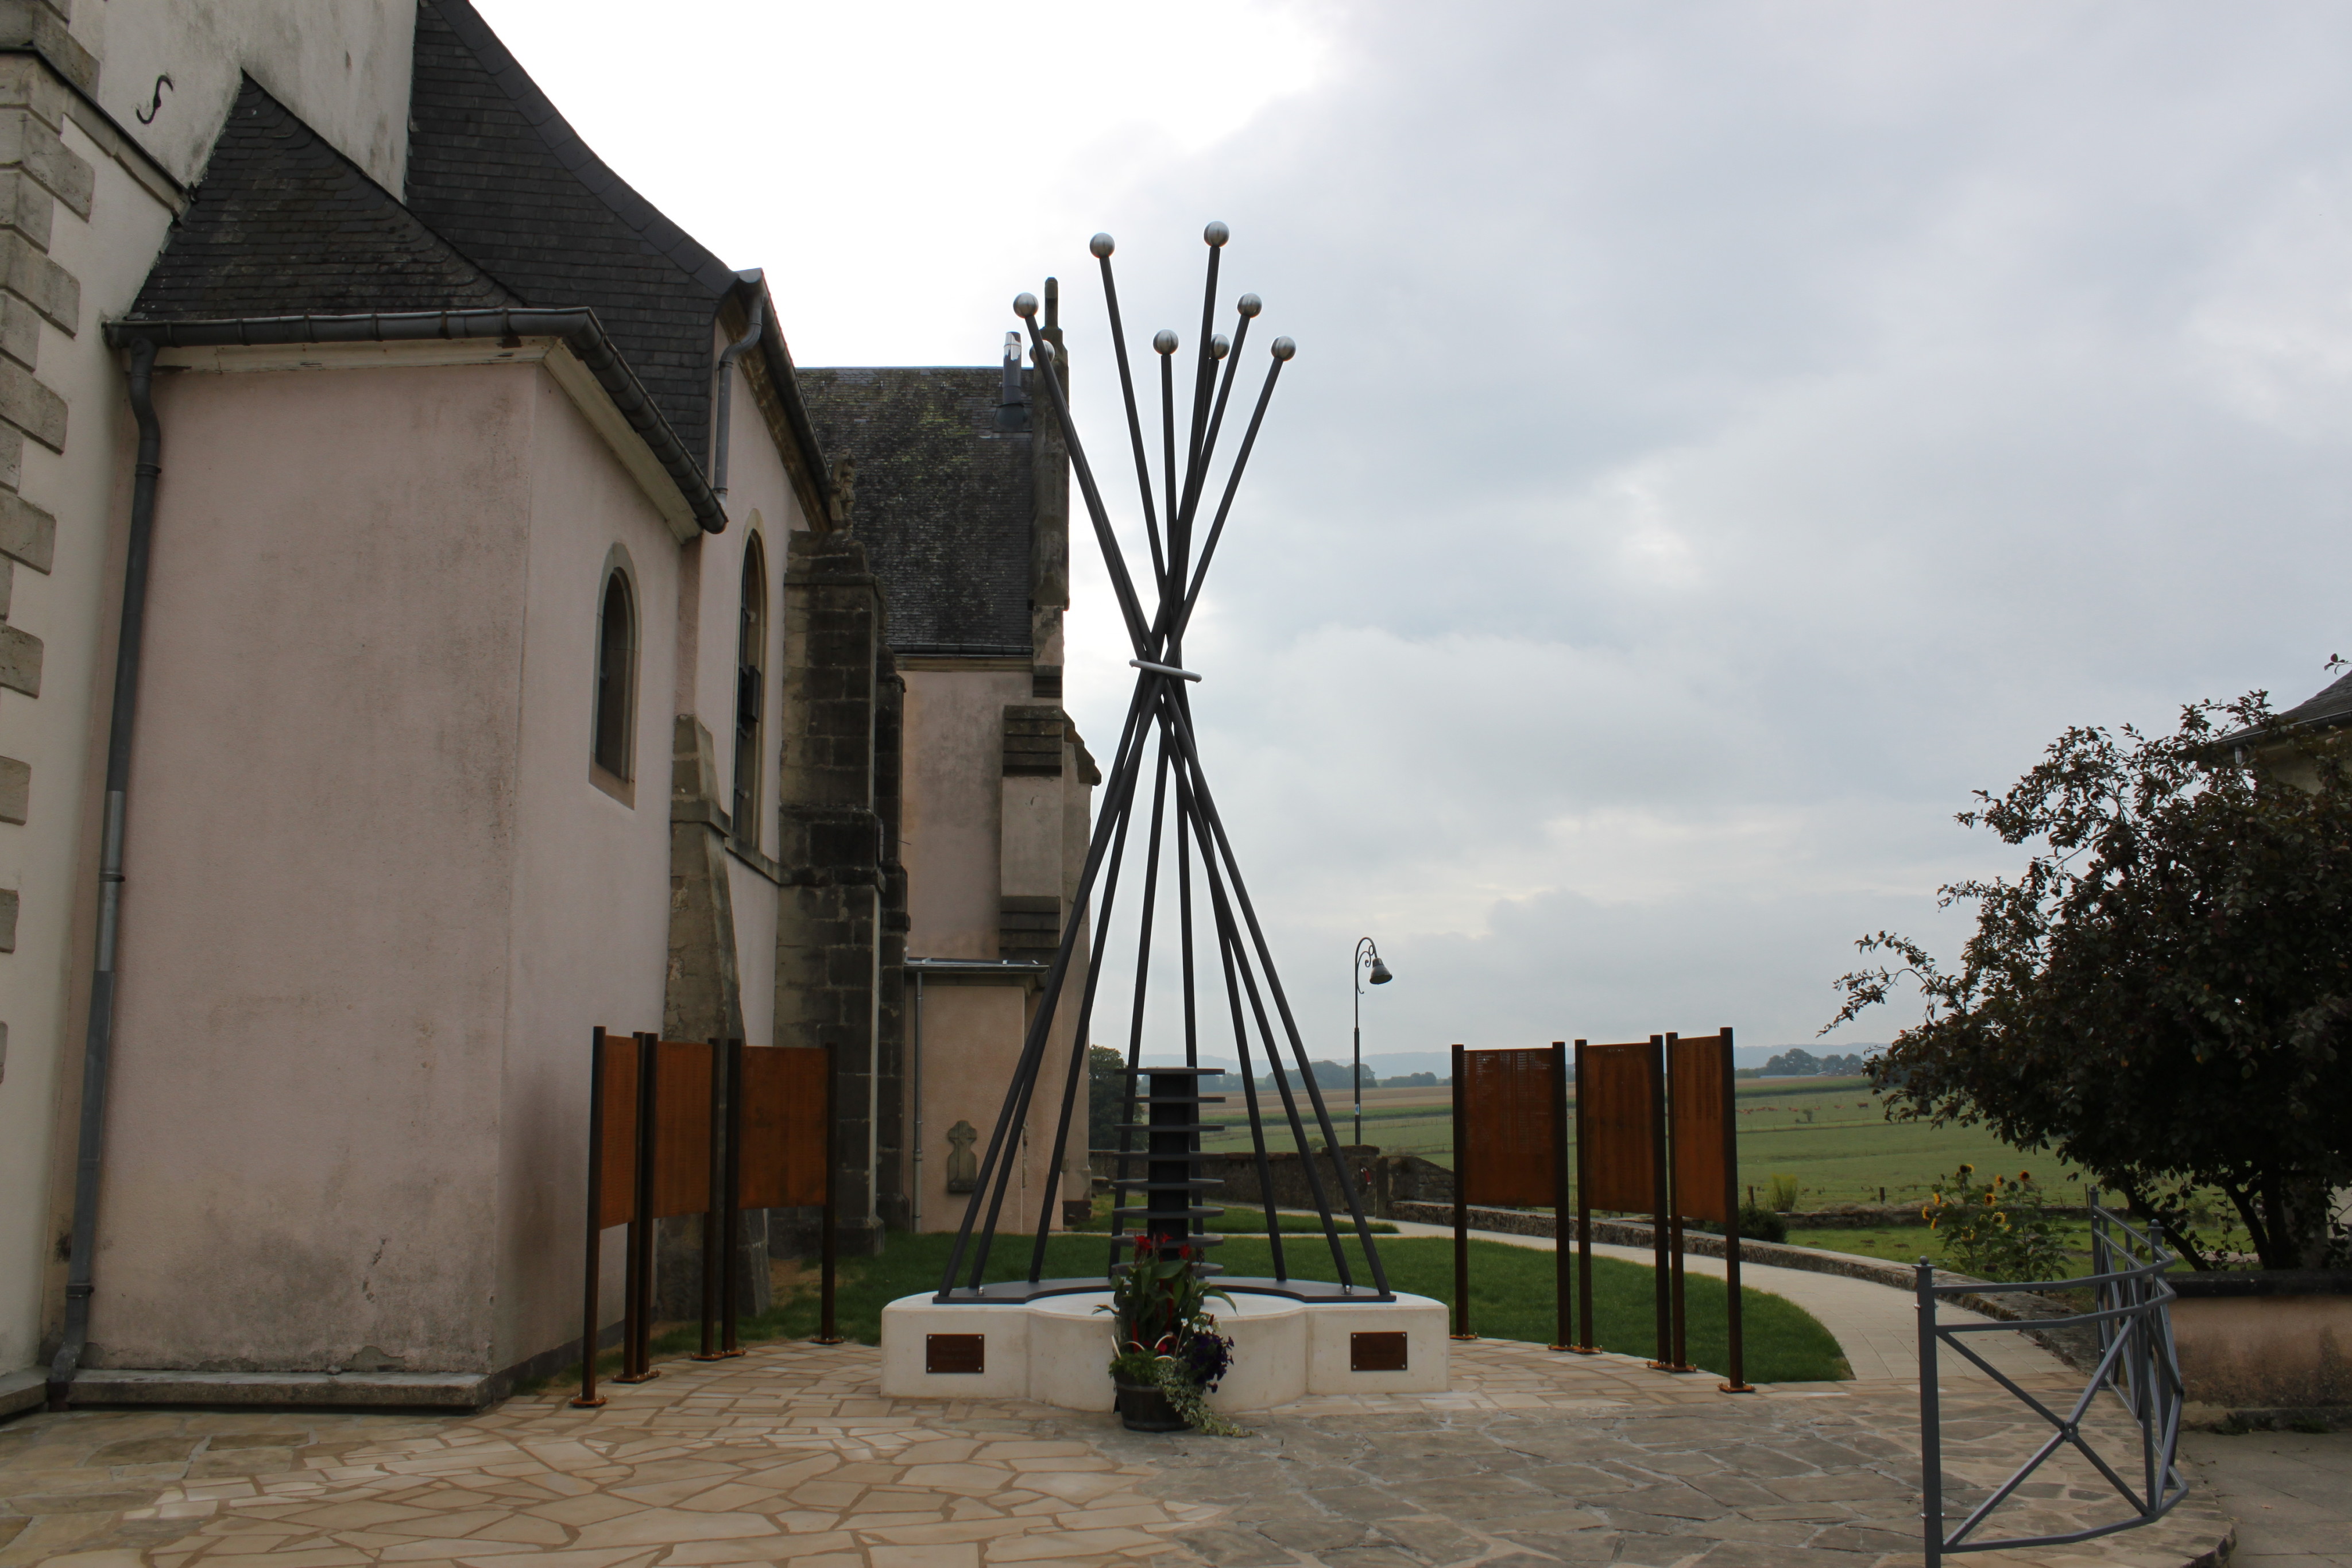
x=1510, y=1295
x=1831, y=1134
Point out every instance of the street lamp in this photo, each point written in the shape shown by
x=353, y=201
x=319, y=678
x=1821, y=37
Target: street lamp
x=1366, y=954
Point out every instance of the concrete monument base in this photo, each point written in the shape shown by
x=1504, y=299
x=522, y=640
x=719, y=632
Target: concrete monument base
x=1056, y=1349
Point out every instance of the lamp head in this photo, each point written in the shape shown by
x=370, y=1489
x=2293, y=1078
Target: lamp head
x=1379, y=975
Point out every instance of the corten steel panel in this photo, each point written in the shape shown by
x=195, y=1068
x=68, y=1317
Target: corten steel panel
x=617, y=1133
x=1696, y=1113
x=1613, y=1115
x=1380, y=1352
x=1507, y=1157
x=783, y=1128
x=682, y=1128
x=955, y=1353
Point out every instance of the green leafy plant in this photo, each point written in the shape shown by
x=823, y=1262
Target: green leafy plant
x=1168, y=1338
x=1995, y=1229
x=1782, y=1194
x=1762, y=1224
x=2162, y=996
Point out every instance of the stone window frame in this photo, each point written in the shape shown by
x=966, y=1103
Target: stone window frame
x=750, y=775
x=620, y=785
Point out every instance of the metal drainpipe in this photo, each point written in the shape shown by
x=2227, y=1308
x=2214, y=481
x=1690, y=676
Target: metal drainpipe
x=734, y=352
x=98, y=1046
x=915, y=1071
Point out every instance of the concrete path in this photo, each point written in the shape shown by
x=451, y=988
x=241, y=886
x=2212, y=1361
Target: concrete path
x=2291, y=1493
x=1877, y=1327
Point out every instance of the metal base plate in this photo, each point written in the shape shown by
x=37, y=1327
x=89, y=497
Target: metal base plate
x=1003, y=1293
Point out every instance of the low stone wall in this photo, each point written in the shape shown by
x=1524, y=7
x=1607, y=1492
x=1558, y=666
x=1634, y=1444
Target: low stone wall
x=2276, y=1340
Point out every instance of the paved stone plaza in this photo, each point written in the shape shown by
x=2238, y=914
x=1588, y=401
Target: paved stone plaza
x=789, y=1454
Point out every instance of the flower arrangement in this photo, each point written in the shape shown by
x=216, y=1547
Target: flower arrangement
x=1167, y=1337
x=1995, y=1229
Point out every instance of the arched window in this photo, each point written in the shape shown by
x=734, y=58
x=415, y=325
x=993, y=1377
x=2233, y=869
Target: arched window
x=750, y=690
x=615, y=751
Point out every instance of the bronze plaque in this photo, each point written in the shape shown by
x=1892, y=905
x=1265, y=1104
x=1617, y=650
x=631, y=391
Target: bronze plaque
x=1506, y=1155
x=1382, y=1352
x=1698, y=1115
x=683, y=1070
x=1617, y=1126
x=782, y=1164
x=616, y=1134
x=953, y=1351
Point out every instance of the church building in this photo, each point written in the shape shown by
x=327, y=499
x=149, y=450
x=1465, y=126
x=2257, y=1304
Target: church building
x=456, y=623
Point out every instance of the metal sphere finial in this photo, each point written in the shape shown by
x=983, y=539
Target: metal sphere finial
x=1165, y=342
x=1102, y=245
x=1220, y=346
x=1216, y=233
x=1283, y=347
x=1024, y=306
x=1249, y=305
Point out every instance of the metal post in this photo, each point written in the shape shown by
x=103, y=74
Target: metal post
x=1660, y=1262
x=1461, y=1208
x=826, y=1333
x=731, y=1286
x=713, y=1226
x=1737, y=1383
x=1931, y=1436
x=1583, y=1220
x=1563, y=1265
x=636, y=1329
x=588, y=1398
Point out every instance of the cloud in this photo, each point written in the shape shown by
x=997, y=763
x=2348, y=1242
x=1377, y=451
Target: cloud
x=1721, y=438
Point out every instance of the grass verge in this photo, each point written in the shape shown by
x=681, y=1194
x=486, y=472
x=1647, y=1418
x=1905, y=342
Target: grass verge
x=1510, y=1298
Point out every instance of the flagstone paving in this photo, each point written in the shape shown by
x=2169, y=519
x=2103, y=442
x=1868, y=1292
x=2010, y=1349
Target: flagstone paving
x=790, y=1454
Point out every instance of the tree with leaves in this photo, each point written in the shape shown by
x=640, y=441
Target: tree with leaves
x=1106, y=1096
x=2163, y=996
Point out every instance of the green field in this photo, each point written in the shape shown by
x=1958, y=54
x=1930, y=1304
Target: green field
x=1831, y=1134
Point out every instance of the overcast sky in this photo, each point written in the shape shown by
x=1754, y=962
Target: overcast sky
x=1722, y=435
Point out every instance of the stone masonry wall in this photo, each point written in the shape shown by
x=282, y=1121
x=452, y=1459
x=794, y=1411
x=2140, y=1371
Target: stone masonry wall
x=37, y=172
x=832, y=908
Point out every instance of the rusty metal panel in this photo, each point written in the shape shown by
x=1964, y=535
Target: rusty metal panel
x=1616, y=1121
x=1506, y=1156
x=953, y=1351
x=616, y=1134
x=685, y=1074
x=1698, y=1114
x=1380, y=1352
x=784, y=1116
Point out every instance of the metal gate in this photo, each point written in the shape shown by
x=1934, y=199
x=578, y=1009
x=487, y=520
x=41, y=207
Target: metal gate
x=2131, y=1308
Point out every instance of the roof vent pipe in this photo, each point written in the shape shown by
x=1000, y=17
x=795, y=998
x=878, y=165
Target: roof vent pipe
x=1011, y=401
x=725, y=402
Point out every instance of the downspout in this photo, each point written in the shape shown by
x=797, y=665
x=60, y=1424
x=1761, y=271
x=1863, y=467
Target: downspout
x=915, y=1065
x=98, y=1045
x=734, y=352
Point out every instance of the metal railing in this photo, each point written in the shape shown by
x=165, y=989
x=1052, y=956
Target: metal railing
x=2130, y=1307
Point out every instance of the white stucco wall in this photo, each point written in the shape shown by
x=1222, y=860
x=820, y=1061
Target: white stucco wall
x=343, y=66
x=591, y=923
x=952, y=842
x=61, y=735
x=378, y=905
x=297, y=47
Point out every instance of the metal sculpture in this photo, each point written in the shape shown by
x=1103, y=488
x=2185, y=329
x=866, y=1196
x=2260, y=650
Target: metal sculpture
x=1159, y=736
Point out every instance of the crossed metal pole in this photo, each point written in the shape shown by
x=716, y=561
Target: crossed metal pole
x=1159, y=727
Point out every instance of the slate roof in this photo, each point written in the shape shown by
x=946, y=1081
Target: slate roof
x=945, y=501
x=494, y=168
x=2331, y=709
x=284, y=224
